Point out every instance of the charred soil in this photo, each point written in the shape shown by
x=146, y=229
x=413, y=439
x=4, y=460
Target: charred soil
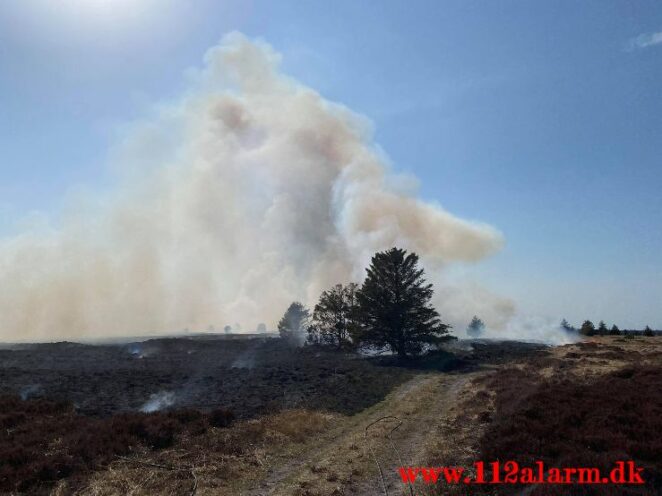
x=254, y=417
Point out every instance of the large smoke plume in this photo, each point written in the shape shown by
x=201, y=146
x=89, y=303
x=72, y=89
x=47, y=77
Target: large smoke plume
x=249, y=192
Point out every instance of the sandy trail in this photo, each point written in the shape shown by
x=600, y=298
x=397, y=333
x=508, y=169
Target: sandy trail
x=343, y=460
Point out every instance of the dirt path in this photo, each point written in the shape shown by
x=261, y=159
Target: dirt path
x=344, y=459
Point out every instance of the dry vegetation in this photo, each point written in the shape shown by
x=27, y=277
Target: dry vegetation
x=45, y=441
x=89, y=421
x=221, y=461
x=584, y=404
x=587, y=404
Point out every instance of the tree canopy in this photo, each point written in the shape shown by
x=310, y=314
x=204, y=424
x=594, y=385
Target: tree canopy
x=587, y=329
x=394, y=305
x=566, y=326
x=335, y=317
x=476, y=327
x=294, y=323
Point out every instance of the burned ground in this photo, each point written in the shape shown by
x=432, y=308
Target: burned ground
x=69, y=409
x=302, y=414
x=248, y=376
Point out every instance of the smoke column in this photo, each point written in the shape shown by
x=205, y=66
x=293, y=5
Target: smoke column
x=247, y=193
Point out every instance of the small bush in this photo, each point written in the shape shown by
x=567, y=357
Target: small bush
x=221, y=418
x=160, y=433
x=186, y=416
x=194, y=421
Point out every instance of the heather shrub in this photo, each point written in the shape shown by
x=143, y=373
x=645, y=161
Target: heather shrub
x=221, y=418
x=44, y=441
x=570, y=423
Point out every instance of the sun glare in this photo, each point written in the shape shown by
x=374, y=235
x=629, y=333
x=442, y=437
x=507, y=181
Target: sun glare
x=85, y=15
x=108, y=8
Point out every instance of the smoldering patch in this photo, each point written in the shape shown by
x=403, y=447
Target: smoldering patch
x=159, y=401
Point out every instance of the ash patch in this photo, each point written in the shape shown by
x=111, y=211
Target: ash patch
x=250, y=376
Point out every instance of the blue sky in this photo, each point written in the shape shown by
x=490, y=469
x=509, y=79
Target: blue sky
x=543, y=119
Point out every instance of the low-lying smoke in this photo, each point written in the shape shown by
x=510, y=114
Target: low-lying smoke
x=530, y=329
x=30, y=391
x=158, y=401
x=249, y=192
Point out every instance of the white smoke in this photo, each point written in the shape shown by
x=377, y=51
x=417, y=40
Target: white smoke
x=158, y=401
x=248, y=193
x=30, y=391
x=529, y=328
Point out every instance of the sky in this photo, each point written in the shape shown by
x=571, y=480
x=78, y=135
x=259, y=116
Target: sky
x=543, y=119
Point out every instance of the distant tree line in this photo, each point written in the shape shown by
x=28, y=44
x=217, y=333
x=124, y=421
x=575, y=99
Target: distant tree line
x=589, y=329
x=390, y=310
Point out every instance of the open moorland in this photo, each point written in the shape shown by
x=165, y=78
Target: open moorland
x=252, y=416
x=248, y=375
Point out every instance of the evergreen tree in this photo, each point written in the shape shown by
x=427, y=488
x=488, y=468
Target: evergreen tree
x=334, y=317
x=566, y=326
x=587, y=329
x=294, y=323
x=475, y=328
x=602, y=328
x=394, y=305
x=648, y=332
x=614, y=331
